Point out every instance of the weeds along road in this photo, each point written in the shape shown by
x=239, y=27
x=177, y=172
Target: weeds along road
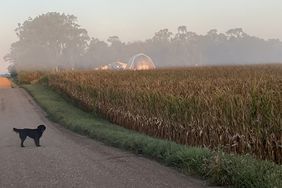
x=66, y=159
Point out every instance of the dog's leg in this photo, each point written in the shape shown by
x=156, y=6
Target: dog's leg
x=22, y=141
x=36, y=140
x=23, y=137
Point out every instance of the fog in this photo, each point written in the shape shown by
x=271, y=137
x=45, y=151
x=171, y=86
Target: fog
x=56, y=41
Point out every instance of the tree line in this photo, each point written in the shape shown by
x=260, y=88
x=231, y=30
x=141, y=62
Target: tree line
x=55, y=40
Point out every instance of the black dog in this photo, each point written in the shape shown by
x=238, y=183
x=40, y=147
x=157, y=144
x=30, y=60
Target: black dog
x=32, y=133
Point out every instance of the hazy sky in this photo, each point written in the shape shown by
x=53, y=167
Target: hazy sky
x=140, y=19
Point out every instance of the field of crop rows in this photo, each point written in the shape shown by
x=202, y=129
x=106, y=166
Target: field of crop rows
x=234, y=109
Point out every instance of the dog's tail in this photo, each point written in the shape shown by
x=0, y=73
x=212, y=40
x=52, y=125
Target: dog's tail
x=16, y=130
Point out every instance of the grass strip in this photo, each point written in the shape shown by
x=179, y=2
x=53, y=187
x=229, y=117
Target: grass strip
x=219, y=168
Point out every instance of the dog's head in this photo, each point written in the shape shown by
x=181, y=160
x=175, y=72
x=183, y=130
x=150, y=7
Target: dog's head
x=41, y=128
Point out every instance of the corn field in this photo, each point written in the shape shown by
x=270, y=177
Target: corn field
x=235, y=109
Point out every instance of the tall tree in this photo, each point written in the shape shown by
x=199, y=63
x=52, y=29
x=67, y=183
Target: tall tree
x=116, y=48
x=98, y=54
x=48, y=40
x=164, y=35
x=182, y=33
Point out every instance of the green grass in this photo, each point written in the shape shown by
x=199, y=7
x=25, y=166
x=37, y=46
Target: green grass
x=219, y=168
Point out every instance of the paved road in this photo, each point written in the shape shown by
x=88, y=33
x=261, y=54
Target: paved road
x=67, y=159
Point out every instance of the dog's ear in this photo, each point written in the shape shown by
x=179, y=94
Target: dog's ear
x=41, y=127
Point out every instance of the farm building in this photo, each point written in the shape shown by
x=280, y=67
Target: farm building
x=113, y=66
x=137, y=62
x=141, y=62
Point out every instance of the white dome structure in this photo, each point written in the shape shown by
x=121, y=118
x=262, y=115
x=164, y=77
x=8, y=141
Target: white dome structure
x=141, y=62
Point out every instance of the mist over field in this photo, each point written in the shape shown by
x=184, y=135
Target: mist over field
x=57, y=41
x=193, y=85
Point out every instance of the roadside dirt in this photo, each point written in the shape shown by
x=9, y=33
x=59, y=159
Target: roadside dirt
x=5, y=83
